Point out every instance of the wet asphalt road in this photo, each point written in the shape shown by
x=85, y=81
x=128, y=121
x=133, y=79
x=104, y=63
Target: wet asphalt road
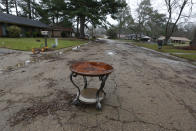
x=147, y=91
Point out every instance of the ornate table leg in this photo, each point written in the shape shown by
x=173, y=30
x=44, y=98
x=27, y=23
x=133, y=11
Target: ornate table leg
x=76, y=100
x=85, y=82
x=103, y=79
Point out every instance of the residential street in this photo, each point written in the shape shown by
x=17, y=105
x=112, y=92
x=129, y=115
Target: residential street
x=146, y=92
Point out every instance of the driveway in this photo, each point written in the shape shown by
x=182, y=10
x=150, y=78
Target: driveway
x=147, y=91
x=10, y=57
x=5, y=51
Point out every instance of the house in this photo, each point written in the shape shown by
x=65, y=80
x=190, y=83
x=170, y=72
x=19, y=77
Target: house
x=133, y=36
x=138, y=37
x=145, y=38
x=122, y=36
x=27, y=26
x=58, y=31
x=180, y=40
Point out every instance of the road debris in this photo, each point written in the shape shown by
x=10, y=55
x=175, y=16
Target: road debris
x=39, y=108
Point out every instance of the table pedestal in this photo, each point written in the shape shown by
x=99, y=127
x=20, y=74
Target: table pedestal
x=90, y=95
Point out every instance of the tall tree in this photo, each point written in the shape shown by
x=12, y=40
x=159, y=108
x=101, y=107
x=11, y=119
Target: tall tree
x=155, y=25
x=16, y=6
x=93, y=11
x=124, y=18
x=6, y=6
x=52, y=11
x=28, y=8
x=144, y=11
x=28, y=2
x=174, y=8
x=149, y=21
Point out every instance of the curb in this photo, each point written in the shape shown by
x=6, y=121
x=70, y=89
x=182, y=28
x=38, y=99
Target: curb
x=193, y=64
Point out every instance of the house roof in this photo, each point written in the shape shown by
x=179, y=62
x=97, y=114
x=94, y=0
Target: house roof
x=176, y=38
x=138, y=35
x=12, y=19
x=180, y=38
x=146, y=37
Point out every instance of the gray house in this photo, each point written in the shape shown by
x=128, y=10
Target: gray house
x=27, y=25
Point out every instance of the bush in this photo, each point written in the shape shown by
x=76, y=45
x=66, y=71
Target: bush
x=77, y=35
x=63, y=34
x=28, y=34
x=39, y=34
x=36, y=34
x=14, y=31
x=112, y=33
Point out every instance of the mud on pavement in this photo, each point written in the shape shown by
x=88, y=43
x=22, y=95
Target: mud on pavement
x=146, y=91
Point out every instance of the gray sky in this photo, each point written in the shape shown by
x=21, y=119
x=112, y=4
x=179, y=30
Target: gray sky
x=158, y=5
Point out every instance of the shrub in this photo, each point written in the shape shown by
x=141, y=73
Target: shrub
x=63, y=34
x=77, y=35
x=28, y=34
x=35, y=34
x=14, y=31
x=112, y=33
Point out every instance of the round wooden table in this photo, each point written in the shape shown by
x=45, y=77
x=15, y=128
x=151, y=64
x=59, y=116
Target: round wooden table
x=90, y=69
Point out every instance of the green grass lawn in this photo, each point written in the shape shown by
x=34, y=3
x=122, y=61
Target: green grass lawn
x=167, y=49
x=26, y=44
x=191, y=57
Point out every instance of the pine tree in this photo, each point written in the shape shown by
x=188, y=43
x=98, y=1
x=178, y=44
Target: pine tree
x=6, y=6
x=93, y=11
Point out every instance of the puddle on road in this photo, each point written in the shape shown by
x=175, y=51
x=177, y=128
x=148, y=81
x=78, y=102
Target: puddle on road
x=110, y=52
x=27, y=62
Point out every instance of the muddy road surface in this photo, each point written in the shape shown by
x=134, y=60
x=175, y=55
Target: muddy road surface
x=146, y=92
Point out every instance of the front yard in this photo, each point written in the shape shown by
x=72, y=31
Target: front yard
x=186, y=54
x=26, y=44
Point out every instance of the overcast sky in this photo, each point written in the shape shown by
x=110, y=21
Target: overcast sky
x=158, y=5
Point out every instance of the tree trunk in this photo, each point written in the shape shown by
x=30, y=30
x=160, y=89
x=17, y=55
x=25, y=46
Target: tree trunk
x=53, y=21
x=92, y=32
x=16, y=7
x=33, y=14
x=82, y=24
x=29, y=8
x=7, y=6
x=193, y=42
x=119, y=33
x=77, y=33
x=57, y=19
x=166, y=39
x=168, y=32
